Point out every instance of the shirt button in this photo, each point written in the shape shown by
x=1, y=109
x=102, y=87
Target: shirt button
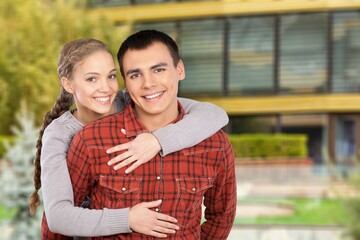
x=193, y=189
x=123, y=189
x=156, y=209
x=158, y=177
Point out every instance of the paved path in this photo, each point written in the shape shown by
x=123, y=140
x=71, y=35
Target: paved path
x=287, y=181
x=286, y=233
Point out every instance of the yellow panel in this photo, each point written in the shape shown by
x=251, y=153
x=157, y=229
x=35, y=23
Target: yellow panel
x=288, y=104
x=186, y=10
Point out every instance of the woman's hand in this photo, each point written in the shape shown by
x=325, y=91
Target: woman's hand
x=145, y=221
x=139, y=151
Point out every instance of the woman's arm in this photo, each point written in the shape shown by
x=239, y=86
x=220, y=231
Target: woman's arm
x=64, y=218
x=202, y=119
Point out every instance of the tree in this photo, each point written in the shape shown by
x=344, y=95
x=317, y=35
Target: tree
x=16, y=177
x=32, y=33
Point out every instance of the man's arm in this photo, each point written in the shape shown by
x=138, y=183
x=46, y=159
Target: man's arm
x=220, y=200
x=202, y=119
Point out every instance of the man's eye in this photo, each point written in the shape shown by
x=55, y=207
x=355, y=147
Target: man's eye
x=159, y=69
x=133, y=76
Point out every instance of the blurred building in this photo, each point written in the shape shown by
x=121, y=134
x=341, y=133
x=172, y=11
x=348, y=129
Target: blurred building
x=274, y=65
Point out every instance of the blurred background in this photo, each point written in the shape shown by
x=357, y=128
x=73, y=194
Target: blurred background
x=286, y=72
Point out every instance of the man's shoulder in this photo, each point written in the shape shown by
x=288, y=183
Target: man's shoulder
x=219, y=137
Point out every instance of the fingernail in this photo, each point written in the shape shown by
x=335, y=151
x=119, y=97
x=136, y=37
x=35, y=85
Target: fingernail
x=107, y=151
x=108, y=163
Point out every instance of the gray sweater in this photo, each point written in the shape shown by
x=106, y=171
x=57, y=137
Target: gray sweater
x=201, y=121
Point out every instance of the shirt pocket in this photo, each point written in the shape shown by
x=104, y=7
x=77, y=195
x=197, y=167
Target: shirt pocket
x=120, y=191
x=191, y=191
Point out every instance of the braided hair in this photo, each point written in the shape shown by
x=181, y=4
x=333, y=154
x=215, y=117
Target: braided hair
x=70, y=56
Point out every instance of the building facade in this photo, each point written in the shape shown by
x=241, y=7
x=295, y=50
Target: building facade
x=275, y=66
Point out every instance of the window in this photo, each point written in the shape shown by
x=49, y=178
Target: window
x=346, y=52
x=303, y=52
x=201, y=44
x=251, y=55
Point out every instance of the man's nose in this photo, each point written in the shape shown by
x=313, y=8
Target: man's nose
x=149, y=81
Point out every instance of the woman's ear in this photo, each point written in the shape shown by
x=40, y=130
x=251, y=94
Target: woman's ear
x=66, y=83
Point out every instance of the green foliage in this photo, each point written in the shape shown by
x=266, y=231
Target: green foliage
x=269, y=145
x=16, y=178
x=32, y=33
x=5, y=140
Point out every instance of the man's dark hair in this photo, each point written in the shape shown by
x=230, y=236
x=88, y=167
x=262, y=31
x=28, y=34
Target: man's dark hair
x=143, y=39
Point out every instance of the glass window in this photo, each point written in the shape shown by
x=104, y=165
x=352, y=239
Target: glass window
x=166, y=27
x=303, y=54
x=346, y=49
x=252, y=124
x=314, y=126
x=201, y=47
x=251, y=57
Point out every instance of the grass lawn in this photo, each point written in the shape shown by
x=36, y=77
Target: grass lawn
x=5, y=214
x=307, y=212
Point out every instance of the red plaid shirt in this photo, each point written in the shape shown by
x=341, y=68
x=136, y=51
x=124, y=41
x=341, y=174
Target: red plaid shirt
x=181, y=179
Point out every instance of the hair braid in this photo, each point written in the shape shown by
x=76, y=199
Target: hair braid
x=62, y=104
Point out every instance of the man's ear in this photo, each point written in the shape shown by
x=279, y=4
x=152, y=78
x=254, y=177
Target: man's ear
x=66, y=83
x=181, y=70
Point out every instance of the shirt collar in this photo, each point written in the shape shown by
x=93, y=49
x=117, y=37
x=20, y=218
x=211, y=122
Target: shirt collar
x=134, y=126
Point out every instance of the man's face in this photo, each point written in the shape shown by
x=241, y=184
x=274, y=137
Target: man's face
x=152, y=80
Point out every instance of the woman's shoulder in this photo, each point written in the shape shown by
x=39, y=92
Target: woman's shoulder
x=64, y=126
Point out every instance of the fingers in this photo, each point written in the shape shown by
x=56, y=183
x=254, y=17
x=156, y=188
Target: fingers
x=118, y=148
x=123, y=131
x=132, y=167
x=152, y=204
x=124, y=163
x=157, y=234
x=166, y=219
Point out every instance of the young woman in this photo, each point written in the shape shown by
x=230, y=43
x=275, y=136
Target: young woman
x=87, y=74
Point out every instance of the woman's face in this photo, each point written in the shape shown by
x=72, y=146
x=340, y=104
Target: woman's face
x=94, y=86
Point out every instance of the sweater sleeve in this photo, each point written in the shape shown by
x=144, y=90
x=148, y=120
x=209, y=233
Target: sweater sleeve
x=202, y=120
x=62, y=216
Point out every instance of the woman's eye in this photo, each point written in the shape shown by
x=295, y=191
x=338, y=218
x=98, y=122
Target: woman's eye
x=91, y=79
x=112, y=76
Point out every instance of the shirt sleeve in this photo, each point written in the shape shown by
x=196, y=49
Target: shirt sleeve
x=62, y=216
x=202, y=119
x=220, y=200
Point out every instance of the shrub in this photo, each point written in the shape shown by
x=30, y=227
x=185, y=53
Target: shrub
x=3, y=139
x=269, y=145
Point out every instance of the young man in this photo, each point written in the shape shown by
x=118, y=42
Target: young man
x=151, y=67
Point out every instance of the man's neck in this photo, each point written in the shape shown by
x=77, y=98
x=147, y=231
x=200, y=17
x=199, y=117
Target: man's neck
x=153, y=122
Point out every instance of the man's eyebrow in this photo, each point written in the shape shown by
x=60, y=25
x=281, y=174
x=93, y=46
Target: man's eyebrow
x=159, y=65
x=131, y=71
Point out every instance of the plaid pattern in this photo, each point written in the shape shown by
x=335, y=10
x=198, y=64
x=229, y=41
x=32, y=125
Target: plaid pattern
x=181, y=179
